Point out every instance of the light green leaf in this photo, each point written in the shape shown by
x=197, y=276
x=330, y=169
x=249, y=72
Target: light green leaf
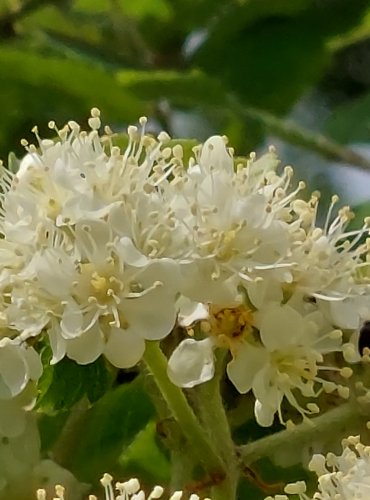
x=145, y=456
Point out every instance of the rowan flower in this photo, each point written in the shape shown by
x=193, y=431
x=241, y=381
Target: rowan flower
x=15, y=411
x=21, y=467
x=19, y=453
x=276, y=351
x=338, y=256
x=237, y=220
x=128, y=490
x=290, y=357
x=18, y=365
x=100, y=244
x=95, y=302
x=346, y=476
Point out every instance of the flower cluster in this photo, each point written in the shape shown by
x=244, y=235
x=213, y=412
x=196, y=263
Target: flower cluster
x=129, y=490
x=104, y=249
x=345, y=476
x=22, y=467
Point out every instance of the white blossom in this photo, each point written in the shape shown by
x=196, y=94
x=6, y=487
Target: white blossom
x=346, y=476
x=276, y=351
x=127, y=490
x=18, y=365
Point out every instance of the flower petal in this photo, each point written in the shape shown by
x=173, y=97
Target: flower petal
x=264, y=414
x=191, y=363
x=72, y=319
x=124, y=348
x=87, y=347
x=246, y=363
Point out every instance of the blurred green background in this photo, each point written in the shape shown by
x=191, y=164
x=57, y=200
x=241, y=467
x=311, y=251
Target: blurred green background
x=294, y=73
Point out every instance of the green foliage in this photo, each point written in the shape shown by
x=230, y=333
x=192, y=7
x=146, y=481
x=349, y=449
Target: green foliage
x=111, y=425
x=37, y=87
x=270, y=56
x=62, y=385
x=350, y=122
x=127, y=57
x=145, y=456
x=183, y=89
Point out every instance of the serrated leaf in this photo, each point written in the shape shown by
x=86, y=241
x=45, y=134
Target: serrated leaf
x=64, y=384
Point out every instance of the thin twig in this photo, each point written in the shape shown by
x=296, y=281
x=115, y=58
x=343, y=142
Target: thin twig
x=299, y=136
x=334, y=422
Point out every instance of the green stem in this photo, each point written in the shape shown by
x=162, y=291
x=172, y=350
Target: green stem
x=182, y=459
x=64, y=448
x=210, y=407
x=182, y=412
x=296, y=135
x=334, y=422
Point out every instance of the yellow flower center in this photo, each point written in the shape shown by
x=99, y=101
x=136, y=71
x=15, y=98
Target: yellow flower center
x=229, y=325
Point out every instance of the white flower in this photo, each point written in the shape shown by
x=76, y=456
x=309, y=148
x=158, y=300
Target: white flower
x=237, y=220
x=14, y=411
x=336, y=255
x=18, y=455
x=346, y=476
x=21, y=468
x=95, y=302
x=276, y=351
x=18, y=365
x=128, y=490
x=289, y=358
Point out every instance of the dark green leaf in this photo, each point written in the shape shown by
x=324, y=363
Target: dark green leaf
x=270, y=62
x=64, y=384
x=110, y=426
x=351, y=121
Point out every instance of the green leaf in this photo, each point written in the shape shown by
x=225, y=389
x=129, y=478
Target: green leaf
x=182, y=89
x=357, y=34
x=154, y=9
x=145, y=457
x=269, y=63
x=351, y=121
x=93, y=86
x=110, y=426
x=50, y=427
x=36, y=89
x=64, y=384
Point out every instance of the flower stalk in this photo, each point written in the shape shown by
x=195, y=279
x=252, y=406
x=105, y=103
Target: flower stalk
x=182, y=412
x=331, y=423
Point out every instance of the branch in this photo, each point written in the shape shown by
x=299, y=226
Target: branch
x=298, y=136
x=333, y=422
x=202, y=448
